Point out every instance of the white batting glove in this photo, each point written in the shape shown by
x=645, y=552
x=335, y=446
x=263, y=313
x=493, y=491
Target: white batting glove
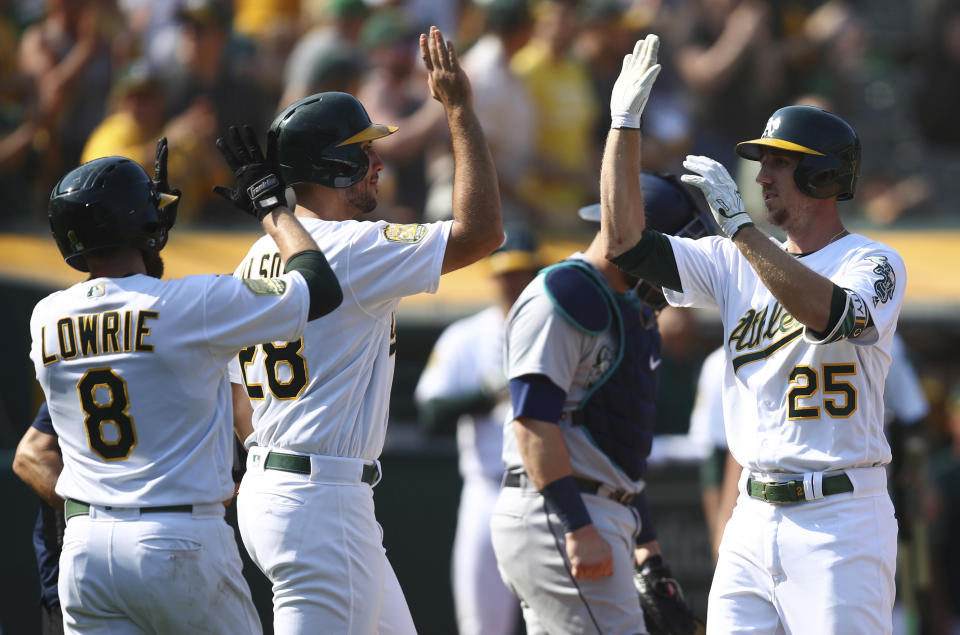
x=632, y=88
x=720, y=190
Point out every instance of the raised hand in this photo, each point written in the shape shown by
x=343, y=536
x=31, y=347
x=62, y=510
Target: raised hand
x=169, y=198
x=260, y=187
x=720, y=190
x=447, y=80
x=632, y=88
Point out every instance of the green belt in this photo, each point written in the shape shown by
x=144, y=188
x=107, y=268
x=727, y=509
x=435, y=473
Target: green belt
x=73, y=508
x=792, y=491
x=301, y=465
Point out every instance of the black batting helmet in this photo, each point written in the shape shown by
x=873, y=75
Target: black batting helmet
x=108, y=202
x=319, y=137
x=669, y=207
x=830, y=150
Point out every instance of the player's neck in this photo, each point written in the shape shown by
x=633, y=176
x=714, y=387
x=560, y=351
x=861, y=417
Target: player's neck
x=121, y=263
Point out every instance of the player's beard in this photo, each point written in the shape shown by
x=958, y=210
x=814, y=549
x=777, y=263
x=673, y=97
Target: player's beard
x=153, y=263
x=361, y=198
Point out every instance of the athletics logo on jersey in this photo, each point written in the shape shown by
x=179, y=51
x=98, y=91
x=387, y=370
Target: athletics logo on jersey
x=412, y=233
x=266, y=286
x=96, y=291
x=888, y=280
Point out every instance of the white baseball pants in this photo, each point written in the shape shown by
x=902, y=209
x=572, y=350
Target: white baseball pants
x=317, y=539
x=127, y=573
x=822, y=566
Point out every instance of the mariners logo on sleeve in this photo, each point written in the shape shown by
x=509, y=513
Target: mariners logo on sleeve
x=885, y=286
x=412, y=233
x=266, y=286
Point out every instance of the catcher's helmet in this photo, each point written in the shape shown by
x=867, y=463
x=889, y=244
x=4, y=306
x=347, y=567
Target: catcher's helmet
x=319, y=137
x=670, y=207
x=828, y=146
x=108, y=202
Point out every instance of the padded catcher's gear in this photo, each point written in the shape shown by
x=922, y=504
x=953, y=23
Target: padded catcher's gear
x=108, y=202
x=829, y=148
x=319, y=140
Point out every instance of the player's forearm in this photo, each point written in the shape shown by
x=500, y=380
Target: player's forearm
x=477, y=222
x=805, y=294
x=543, y=450
x=621, y=202
x=288, y=233
x=39, y=466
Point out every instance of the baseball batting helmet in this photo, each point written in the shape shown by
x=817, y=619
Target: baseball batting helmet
x=828, y=146
x=319, y=137
x=670, y=207
x=518, y=252
x=108, y=202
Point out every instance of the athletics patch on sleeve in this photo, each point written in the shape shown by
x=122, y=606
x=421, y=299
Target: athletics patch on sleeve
x=412, y=233
x=266, y=286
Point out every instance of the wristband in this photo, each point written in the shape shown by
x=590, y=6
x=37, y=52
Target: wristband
x=624, y=120
x=563, y=498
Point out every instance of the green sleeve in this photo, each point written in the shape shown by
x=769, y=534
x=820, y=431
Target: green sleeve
x=652, y=260
x=439, y=415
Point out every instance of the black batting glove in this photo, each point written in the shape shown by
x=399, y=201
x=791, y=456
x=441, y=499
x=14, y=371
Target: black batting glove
x=260, y=188
x=168, y=207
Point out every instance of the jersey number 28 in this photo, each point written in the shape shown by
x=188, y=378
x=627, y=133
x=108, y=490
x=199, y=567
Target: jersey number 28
x=274, y=357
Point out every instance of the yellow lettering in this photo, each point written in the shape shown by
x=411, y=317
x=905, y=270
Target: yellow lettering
x=46, y=359
x=67, y=338
x=110, y=326
x=87, y=326
x=127, y=320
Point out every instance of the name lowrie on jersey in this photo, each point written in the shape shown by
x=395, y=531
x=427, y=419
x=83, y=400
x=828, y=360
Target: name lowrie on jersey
x=771, y=324
x=98, y=334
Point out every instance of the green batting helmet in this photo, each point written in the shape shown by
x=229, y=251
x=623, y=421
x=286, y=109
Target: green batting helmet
x=829, y=148
x=319, y=138
x=108, y=202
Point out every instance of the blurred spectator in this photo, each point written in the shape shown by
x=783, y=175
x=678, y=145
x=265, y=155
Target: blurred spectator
x=944, y=515
x=608, y=30
x=67, y=56
x=393, y=91
x=937, y=102
x=136, y=118
x=503, y=107
x=273, y=27
x=327, y=57
x=733, y=68
x=566, y=163
x=207, y=90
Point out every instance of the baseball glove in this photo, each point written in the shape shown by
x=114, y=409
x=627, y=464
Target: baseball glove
x=664, y=609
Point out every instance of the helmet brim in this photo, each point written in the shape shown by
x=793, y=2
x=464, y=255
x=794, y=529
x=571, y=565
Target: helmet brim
x=590, y=213
x=373, y=131
x=753, y=149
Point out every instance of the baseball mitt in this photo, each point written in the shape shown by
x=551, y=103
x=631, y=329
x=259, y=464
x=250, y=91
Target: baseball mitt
x=665, y=610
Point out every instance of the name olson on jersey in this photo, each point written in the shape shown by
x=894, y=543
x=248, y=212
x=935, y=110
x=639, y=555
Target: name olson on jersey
x=98, y=334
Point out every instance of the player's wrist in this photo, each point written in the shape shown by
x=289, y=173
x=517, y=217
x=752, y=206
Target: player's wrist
x=562, y=497
x=625, y=120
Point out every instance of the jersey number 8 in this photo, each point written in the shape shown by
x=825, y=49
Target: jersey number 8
x=113, y=411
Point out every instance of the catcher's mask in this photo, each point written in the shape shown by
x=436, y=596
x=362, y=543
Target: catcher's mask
x=828, y=146
x=108, y=202
x=319, y=140
x=670, y=207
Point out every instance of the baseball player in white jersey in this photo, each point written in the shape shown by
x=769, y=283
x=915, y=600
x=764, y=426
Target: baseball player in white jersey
x=463, y=381
x=807, y=326
x=320, y=402
x=134, y=370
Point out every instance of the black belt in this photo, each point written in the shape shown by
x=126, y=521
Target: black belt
x=300, y=464
x=73, y=508
x=792, y=491
x=586, y=486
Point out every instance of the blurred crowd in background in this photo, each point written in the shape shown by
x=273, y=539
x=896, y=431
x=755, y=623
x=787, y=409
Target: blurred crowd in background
x=86, y=78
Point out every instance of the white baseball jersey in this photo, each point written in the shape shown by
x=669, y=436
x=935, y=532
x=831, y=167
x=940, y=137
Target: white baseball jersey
x=706, y=418
x=790, y=403
x=467, y=356
x=329, y=392
x=135, y=374
x=540, y=341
